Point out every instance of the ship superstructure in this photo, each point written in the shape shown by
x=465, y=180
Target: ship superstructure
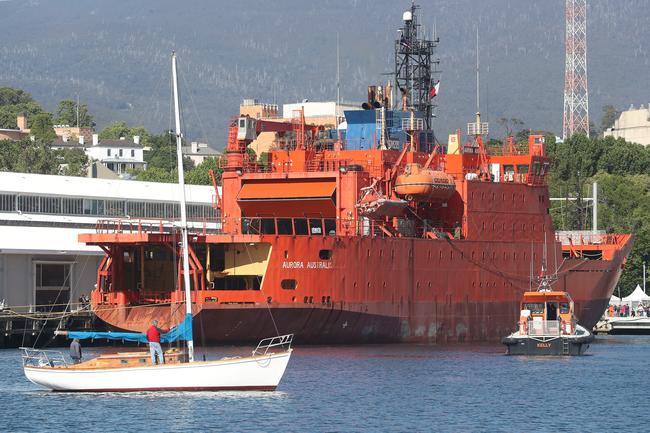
x=375, y=232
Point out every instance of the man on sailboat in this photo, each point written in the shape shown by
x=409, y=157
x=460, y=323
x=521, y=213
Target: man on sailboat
x=153, y=337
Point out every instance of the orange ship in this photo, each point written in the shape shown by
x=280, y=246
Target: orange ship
x=375, y=233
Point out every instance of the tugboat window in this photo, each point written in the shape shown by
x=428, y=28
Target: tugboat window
x=551, y=311
x=564, y=308
x=535, y=307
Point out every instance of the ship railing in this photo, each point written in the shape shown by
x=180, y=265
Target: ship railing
x=264, y=346
x=584, y=237
x=161, y=226
x=43, y=358
x=544, y=328
x=405, y=228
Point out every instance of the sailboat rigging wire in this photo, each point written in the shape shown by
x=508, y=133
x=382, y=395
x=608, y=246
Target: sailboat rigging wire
x=194, y=107
x=259, y=280
x=71, y=289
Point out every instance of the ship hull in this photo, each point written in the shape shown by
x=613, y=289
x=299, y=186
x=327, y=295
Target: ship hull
x=432, y=291
x=380, y=322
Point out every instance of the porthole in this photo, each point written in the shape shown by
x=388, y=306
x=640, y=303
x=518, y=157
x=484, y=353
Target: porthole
x=289, y=284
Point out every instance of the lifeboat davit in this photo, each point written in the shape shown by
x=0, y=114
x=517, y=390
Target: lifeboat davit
x=423, y=184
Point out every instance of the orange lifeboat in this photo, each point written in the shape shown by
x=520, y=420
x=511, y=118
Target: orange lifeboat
x=420, y=184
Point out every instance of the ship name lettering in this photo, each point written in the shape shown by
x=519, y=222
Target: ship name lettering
x=293, y=265
x=309, y=265
x=543, y=345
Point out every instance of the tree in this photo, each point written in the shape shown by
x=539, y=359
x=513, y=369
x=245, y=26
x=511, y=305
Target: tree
x=42, y=128
x=11, y=96
x=117, y=130
x=199, y=175
x=610, y=115
x=66, y=114
x=155, y=174
x=73, y=162
x=35, y=157
x=162, y=153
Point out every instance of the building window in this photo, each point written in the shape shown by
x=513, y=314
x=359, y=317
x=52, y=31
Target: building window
x=132, y=153
x=120, y=152
x=108, y=152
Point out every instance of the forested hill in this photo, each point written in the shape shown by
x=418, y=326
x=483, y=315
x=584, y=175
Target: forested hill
x=115, y=55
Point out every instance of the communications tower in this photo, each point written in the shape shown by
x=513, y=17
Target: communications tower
x=576, y=94
x=414, y=66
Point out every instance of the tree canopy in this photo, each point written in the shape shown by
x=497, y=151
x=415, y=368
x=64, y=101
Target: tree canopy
x=66, y=114
x=42, y=128
x=14, y=101
x=117, y=130
x=622, y=171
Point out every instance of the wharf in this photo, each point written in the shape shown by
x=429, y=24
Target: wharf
x=623, y=325
x=25, y=328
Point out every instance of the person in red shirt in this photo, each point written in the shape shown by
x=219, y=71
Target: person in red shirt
x=153, y=337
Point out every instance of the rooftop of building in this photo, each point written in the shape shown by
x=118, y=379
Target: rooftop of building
x=30, y=184
x=118, y=143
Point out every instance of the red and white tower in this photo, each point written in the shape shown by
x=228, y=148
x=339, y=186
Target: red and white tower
x=576, y=94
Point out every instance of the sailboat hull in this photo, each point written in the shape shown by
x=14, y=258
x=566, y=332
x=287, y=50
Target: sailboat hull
x=258, y=373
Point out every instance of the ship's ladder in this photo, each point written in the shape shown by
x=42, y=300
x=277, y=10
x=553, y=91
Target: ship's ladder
x=565, y=346
x=316, y=162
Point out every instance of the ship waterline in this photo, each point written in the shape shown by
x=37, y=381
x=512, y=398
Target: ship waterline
x=341, y=300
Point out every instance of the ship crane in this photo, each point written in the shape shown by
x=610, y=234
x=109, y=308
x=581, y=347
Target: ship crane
x=244, y=130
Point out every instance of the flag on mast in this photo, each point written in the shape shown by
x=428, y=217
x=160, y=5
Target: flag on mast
x=434, y=90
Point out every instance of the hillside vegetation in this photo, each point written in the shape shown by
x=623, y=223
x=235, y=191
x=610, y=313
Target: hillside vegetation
x=115, y=56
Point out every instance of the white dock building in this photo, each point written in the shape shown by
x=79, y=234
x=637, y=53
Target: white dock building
x=42, y=264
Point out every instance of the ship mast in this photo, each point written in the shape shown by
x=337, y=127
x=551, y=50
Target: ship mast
x=181, y=186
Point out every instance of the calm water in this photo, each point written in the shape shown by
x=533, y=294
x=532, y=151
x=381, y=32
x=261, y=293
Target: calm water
x=398, y=388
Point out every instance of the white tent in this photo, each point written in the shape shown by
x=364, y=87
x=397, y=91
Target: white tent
x=614, y=300
x=636, y=296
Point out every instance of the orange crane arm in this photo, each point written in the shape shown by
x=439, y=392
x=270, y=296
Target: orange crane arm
x=216, y=188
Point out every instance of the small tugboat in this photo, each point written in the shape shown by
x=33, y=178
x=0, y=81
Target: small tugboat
x=548, y=326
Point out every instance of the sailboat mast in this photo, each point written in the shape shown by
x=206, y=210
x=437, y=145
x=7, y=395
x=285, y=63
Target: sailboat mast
x=181, y=185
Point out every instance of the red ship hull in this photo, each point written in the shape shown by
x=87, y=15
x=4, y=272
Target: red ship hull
x=435, y=293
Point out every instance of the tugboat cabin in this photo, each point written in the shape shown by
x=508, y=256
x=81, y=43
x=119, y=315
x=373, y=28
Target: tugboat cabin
x=547, y=313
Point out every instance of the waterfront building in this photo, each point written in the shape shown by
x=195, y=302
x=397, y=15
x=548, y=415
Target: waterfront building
x=632, y=125
x=42, y=264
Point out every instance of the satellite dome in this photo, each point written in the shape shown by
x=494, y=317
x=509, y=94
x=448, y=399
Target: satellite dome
x=407, y=16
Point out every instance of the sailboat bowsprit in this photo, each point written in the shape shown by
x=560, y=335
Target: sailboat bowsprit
x=121, y=372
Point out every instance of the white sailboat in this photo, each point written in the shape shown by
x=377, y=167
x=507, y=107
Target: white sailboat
x=132, y=371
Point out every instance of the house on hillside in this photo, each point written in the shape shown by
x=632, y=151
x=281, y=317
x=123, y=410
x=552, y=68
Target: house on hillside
x=118, y=156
